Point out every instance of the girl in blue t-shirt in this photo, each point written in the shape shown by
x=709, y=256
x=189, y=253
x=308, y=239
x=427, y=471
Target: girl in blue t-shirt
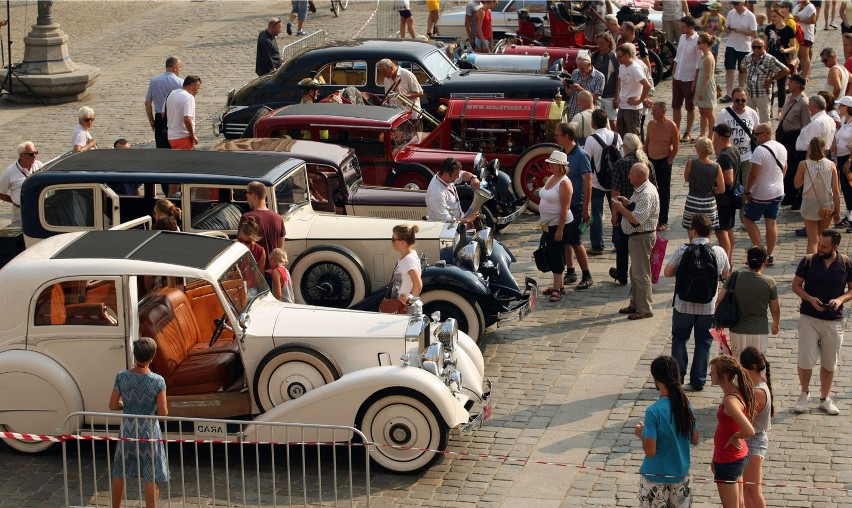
x=666, y=434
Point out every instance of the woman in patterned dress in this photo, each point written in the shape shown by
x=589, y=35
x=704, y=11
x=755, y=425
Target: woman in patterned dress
x=139, y=391
x=705, y=180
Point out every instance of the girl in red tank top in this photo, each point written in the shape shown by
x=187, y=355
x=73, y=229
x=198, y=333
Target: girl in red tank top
x=730, y=452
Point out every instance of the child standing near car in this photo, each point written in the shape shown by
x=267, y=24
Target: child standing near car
x=248, y=235
x=282, y=283
x=713, y=23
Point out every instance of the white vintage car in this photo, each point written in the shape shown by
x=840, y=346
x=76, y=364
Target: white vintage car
x=226, y=347
x=336, y=261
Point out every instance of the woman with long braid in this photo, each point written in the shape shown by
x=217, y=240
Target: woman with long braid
x=666, y=434
x=735, y=414
x=755, y=364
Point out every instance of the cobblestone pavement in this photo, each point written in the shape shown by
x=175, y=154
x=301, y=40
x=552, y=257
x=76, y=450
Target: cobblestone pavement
x=571, y=380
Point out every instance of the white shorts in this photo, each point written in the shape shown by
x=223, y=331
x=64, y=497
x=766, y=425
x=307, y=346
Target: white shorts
x=819, y=341
x=611, y=112
x=740, y=341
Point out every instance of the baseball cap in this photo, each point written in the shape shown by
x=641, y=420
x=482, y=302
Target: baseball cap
x=846, y=101
x=799, y=79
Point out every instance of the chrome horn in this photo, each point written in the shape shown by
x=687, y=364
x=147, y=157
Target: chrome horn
x=480, y=197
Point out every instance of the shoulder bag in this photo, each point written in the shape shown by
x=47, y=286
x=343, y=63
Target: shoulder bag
x=392, y=305
x=727, y=314
x=540, y=255
x=826, y=209
x=754, y=143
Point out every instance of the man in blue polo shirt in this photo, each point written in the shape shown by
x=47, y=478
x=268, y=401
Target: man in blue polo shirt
x=580, y=174
x=824, y=283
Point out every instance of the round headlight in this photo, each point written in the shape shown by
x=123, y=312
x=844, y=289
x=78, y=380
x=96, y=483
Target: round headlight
x=485, y=238
x=469, y=256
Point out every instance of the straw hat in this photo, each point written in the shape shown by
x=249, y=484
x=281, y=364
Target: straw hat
x=558, y=157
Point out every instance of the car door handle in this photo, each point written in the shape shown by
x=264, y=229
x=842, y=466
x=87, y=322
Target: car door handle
x=113, y=348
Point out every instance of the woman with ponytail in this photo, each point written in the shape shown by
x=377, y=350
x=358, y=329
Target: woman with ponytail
x=735, y=414
x=755, y=293
x=666, y=434
x=755, y=363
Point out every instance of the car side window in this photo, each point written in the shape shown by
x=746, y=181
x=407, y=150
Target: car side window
x=532, y=6
x=344, y=73
x=69, y=207
x=366, y=143
x=421, y=75
x=89, y=302
x=508, y=6
x=216, y=208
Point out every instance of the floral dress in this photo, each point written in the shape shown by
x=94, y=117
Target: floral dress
x=146, y=460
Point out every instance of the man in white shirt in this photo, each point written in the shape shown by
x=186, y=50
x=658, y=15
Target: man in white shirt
x=594, y=148
x=838, y=76
x=13, y=178
x=683, y=76
x=740, y=137
x=631, y=90
x=805, y=14
x=821, y=125
x=408, y=85
x=673, y=11
x=764, y=188
x=442, y=200
x=180, y=115
x=155, y=99
x=741, y=26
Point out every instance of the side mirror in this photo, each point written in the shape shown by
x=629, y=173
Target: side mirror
x=244, y=320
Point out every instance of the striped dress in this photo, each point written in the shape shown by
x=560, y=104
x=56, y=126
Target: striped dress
x=701, y=199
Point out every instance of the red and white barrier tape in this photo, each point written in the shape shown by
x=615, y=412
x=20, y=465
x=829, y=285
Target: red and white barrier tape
x=367, y=22
x=464, y=454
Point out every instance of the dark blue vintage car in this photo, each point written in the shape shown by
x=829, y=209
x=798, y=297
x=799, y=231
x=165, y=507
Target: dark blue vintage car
x=353, y=63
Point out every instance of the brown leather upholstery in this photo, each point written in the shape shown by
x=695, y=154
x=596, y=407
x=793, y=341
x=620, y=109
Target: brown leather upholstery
x=188, y=365
x=50, y=307
x=88, y=314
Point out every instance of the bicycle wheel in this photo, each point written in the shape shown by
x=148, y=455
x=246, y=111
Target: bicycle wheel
x=343, y=4
x=335, y=7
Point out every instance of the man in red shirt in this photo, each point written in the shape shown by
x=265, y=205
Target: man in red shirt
x=270, y=222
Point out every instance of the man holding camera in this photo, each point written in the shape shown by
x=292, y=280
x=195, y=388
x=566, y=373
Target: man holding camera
x=584, y=78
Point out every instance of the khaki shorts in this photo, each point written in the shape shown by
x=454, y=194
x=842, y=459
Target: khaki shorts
x=740, y=341
x=607, y=106
x=819, y=340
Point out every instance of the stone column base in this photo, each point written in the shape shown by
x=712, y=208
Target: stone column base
x=53, y=88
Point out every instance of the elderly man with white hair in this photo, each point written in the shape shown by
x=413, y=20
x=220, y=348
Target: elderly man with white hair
x=81, y=138
x=408, y=84
x=584, y=78
x=13, y=178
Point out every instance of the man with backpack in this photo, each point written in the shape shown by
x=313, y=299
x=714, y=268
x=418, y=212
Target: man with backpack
x=603, y=148
x=696, y=267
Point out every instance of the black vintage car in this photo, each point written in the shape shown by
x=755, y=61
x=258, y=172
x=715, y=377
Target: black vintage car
x=353, y=63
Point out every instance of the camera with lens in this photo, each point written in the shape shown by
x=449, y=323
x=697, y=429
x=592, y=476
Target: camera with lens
x=566, y=78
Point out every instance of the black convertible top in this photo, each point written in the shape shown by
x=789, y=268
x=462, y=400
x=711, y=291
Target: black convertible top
x=183, y=249
x=245, y=165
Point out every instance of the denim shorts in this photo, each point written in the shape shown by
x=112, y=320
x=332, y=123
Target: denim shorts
x=755, y=210
x=300, y=8
x=729, y=472
x=758, y=444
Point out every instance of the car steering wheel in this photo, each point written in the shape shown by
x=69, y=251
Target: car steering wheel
x=390, y=92
x=221, y=324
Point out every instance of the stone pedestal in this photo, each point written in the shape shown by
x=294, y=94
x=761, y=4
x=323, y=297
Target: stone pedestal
x=47, y=73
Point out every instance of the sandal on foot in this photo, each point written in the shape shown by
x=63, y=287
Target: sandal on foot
x=663, y=227
x=555, y=296
x=550, y=290
x=686, y=138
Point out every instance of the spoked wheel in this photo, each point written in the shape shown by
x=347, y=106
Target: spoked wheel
x=667, y=53
x=408, y=431
x=330, y=277
x=656, y=67
x=531, y=172
x=335, y=7
x=288, y=372
x=343, y=4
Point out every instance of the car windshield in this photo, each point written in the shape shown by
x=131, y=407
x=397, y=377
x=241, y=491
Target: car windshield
x=439, y=66
x=351, y=170
x=242, y=282
x=292, y=191
x=403, y=133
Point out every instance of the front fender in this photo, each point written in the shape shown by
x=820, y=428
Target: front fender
x=37, y=394
x=504, y=189
x=455, y=278
x=503, y=258
x=338, y=403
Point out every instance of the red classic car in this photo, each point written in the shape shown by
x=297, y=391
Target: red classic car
x=394, y=153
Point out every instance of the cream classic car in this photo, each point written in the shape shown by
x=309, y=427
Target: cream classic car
x=226, y=347
x=336, y=261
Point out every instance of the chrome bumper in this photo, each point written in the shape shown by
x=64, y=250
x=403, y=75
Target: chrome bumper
x=484, y=413
x=511, y=217
x=525, y=305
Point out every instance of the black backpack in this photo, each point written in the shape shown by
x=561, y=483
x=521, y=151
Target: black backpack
x=609, y=155
x=697, y=276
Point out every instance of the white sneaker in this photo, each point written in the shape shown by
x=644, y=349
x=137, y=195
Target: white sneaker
x=802, y=404
x=828, y=406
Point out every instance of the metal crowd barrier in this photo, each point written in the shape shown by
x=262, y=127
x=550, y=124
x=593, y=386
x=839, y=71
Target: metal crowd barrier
x=217, y=462
x=387, y=20
x=317, y=38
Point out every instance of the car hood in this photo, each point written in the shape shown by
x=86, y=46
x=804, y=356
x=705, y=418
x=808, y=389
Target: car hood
x=302, y=321
x=511, y=84
x=368, y=195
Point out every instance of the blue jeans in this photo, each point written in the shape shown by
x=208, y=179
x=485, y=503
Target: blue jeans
x=596, y=228
x=683, y=326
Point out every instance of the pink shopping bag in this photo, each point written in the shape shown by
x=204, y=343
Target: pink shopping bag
x=658, y=257
x=719, y=336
